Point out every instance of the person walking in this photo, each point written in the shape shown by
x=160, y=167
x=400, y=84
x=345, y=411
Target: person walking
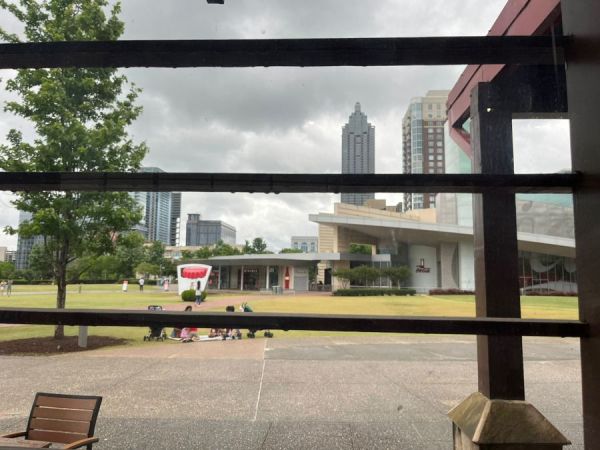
x=141, y=282
x=198, y=293
x=9, y=284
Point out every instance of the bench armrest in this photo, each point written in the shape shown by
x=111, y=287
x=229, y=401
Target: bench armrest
x=14, y=435
x=81, y=442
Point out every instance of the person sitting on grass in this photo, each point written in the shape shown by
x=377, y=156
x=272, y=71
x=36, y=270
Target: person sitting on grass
x=188, y=334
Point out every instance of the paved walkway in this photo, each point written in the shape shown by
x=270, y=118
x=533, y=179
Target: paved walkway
x=327, y=393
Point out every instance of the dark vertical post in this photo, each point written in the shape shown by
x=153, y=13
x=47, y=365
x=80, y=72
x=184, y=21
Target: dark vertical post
x=580, y=19
x=500, y=358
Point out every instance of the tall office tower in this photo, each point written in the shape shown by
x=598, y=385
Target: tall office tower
x=423, y=142
x=175, y=217
x=160, y=211
x=358, y=152
x=24, y=245
x=207, y=232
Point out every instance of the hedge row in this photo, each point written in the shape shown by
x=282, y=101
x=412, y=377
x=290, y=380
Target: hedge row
x=450, y=292
x=373, y=292
x=132, y=281
x=550, y=293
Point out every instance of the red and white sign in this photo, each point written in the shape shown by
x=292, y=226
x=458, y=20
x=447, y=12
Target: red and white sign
x=189, y=275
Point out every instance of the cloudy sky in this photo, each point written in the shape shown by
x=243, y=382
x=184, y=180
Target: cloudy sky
x=289, y=119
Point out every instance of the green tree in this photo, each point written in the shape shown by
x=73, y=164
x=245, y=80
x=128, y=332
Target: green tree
x=169, y=268
x=155, y=253
x=187, y=254
x=259, y=245
x=40, y=262
x=103, y=267
x=223, y=249
x=80, y=117
x=361, y=249
x=7, y=270
x=365, y=274
x=25, y=274
x=344, y=275
x=290, y=250
x=147, y=269
x=203, y=253
x=129, y=252
x=397, y=274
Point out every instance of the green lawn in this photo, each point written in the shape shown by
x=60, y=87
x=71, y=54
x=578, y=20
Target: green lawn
x=110, y=296
x=92, y=296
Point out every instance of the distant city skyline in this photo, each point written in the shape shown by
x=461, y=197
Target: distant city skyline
x=285, y=120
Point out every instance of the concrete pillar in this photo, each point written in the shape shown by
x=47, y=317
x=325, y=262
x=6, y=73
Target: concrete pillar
x=219, y=280
x=83, y=336
x=267, y=276
x=242, y=279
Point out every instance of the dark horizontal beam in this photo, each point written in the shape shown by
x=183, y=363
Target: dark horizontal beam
x=383, y=324
x=278, y=183
x=285, y=52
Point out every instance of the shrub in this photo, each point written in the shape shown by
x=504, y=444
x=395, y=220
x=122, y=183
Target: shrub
x=32, y=282
x=373, y=292
x=549, y=293
x=190, y=295
x=450, y=292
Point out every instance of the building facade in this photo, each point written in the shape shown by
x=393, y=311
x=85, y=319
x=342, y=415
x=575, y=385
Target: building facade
x=24, y=245
x=7, y=255
x=161, y=213
x=358, y=152
x=175, y=230
x=441, y=254
x=423, y=142
x=207, y=232
x=305, y=243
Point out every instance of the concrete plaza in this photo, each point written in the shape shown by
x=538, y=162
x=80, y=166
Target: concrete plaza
x=383, y=392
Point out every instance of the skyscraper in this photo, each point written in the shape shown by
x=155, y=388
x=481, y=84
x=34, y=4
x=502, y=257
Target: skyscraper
x=175, y=217
x=423, y=142
x=358, y=152
x=160, y=213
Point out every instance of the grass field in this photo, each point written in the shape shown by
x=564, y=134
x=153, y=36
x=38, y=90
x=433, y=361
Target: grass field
x=110, y=296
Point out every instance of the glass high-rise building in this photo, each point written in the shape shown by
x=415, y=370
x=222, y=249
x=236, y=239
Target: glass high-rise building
x=24, y=245
x=358, y=152
x=423, y=142
x=207, y=232
x=161, y=213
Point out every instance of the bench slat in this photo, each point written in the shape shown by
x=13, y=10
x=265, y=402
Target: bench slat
x=69, y=403
x=54, y=436
x=59, y=425
x=62, y=414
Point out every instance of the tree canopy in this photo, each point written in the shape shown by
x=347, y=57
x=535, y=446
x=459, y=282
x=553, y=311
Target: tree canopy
x=80, y=119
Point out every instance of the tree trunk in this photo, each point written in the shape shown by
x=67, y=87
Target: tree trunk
x=61, y=283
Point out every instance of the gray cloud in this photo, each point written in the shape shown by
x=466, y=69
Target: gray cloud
x=287, y=119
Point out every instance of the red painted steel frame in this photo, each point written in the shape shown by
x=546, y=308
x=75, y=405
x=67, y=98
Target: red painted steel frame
x=518, y=18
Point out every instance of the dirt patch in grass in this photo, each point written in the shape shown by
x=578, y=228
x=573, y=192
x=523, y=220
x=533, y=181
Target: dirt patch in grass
x=51, y=346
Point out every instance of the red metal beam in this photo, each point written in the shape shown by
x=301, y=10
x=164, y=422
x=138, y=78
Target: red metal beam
x=519, y=17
